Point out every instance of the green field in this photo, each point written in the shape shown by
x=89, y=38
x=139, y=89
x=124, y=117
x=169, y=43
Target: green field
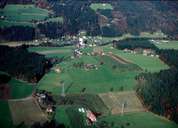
x=103, y=6
x=104, y=79
x=171, y=44
x=21, y=15
x=70, y=116
x=148, y=63
x=5, y=115
x=84, y=100
x=20, y=89
x=137, y=120
x=53, y=51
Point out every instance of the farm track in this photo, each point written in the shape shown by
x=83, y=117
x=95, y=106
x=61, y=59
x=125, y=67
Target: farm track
x=118, y=58
x=50, y=51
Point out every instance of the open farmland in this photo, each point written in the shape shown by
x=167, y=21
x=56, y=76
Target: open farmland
x=111, y=76
x=137, y=120
x=166, y=44
x=70, y=116
x=84, y=100
x=26, y=110
x=53, y=51
x=115, y=102
x=21, y=15
x=20, y=89
x=148, y=63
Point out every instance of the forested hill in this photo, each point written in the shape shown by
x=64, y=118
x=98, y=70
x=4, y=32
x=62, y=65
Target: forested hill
x=107, y=18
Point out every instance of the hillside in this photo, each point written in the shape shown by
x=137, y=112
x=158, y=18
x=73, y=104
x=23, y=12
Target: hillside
x=113, y=18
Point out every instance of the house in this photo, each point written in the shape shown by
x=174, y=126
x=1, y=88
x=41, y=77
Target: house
x=148, y=52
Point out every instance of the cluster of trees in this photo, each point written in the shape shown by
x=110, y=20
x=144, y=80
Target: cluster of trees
x=159, y=92
x=22, y=64
x=77, y=17
x=170, y=57
x=4, y=78
x=51, y=29
x=132, y=43
x=126, y=17
x=17, y=33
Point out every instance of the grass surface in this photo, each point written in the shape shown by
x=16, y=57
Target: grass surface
x=21, y=15
x=70, y=117
x=53, y=51
x=167, y=44
x=5, y=115
x=138, y=120
x=20, y=89
x=151, y=64
x=103, y=6
x=90, y=101
x=104, y=79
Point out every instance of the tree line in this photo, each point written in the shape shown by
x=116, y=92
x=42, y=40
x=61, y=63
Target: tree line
x=158, y=90
x=22, y=64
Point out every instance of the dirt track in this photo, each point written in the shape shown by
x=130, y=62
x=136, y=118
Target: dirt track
x=118, y=58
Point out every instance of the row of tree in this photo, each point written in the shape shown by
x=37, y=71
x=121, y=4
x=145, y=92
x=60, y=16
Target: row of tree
x=133, y=43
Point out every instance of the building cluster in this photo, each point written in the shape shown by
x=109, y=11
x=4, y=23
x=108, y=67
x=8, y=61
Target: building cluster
x=90, y=116
x=145, y=52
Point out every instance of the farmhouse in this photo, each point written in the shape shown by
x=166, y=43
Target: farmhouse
x=98, y=51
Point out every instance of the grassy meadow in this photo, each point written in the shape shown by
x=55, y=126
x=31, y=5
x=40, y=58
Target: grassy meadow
x=169, y=44
x=20, y=89
x=148, y=63
x=138, y=120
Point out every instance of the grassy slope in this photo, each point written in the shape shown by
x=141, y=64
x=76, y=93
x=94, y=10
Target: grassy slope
x=5, y=115
x=167, y=45
x=151, y=64
x=139, y=120
x=101, y=80
x=55, y=51
x=70, y=116
x=95, y=81
x=21, y=15
x=20, y=89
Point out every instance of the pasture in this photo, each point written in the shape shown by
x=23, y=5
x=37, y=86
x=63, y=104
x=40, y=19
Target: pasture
x=20, y=89
x=115, y=102
x=53, y=51
x=21, y=15
x=70, y=116
x=147, y=63
x=109, y=76
x=26, y=110
x=102, y=6
x=166, y=44
x=137, y=120
x=84, y=100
